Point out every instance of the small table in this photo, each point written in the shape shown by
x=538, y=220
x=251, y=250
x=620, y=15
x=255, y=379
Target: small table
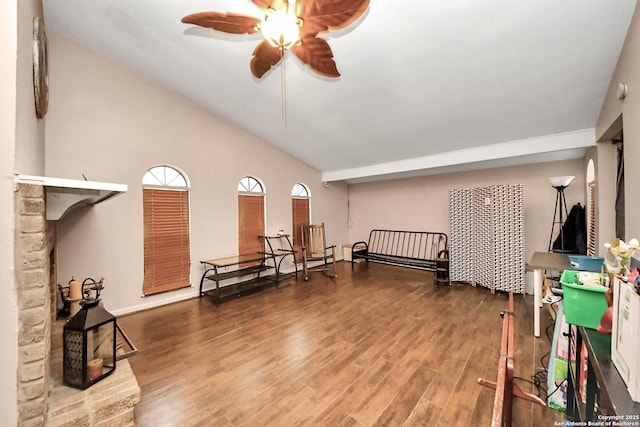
x=539, y=262
x=281, y=252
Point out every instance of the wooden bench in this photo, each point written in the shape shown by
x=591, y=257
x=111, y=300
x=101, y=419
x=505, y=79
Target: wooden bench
x=422, y=250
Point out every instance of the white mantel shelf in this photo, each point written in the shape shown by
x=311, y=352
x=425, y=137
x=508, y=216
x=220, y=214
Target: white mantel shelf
x=65, y=194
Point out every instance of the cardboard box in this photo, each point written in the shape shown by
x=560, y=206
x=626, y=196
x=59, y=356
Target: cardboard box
x=346, y=252
x=625, y=336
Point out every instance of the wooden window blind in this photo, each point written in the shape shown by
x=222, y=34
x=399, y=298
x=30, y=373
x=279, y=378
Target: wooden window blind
x=591, y=220
x=167, y=261
x=300, y=214
x=250, y=224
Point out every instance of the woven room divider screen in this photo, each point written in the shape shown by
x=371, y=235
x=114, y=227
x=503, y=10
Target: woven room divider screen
x=487, y=237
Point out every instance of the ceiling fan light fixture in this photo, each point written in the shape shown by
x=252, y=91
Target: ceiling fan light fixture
x=281, y=28
x=294, y=25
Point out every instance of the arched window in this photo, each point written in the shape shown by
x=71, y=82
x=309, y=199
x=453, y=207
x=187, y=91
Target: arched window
x=167, y=259
x=250, y=216
x=250, y=185
x=164, y=176
x=300, y=214
x=300, y=190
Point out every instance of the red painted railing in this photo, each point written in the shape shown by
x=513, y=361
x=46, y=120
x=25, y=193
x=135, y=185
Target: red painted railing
x=504, y=386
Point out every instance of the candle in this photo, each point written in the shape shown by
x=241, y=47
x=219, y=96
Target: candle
x=75, y=290
x=75, y=307
x=94, y=369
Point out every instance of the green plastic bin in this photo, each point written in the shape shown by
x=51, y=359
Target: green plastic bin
x=583, y=305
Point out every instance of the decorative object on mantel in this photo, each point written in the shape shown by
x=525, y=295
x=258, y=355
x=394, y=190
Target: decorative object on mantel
x=89, y=340
x=288, y=25
x=40, y=68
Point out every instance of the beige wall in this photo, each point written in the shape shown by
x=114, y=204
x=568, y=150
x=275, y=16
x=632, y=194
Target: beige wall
x=29, y=129
x=8, y=314
x=22, y=148
x=112, y=125
x=422, y=203
x=627, y=71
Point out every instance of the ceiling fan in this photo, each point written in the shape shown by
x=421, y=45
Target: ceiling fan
x=288, y=25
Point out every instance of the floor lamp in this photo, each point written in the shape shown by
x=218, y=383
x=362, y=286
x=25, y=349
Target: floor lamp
x=560, y=211
x=559, y=216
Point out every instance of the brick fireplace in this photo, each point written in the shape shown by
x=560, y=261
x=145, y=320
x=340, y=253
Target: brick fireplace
x=42, y=399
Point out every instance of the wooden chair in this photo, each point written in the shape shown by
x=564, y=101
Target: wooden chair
x=314, y=248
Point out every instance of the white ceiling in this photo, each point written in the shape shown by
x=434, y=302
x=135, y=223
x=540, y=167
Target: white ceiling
x=426, y=86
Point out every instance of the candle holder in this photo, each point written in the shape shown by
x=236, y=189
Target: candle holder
x=89, y=341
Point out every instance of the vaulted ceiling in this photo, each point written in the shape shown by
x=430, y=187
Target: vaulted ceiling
x=426, y=86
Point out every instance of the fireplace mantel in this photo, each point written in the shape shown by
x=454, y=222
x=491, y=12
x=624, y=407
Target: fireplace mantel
x=65, y=194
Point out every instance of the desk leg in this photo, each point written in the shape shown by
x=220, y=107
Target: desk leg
x=537, y=300
x=215, y=267
x=204, y=276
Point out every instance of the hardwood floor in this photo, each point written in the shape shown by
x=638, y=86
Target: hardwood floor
x=377, y=347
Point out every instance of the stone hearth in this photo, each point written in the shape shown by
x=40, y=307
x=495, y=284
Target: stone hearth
x=42, y=399
x=109, y=402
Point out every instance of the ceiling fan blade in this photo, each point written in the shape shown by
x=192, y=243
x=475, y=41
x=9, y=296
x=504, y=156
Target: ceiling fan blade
x=320, y=16
x=266, y=4
x=263, y=4
x=264, y=58
x=227, y=22
x=317, y=54
x=299, y=8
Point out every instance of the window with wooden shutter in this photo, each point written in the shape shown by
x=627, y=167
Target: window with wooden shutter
x=300, y=213
x=251, y=224
x=250, y=216
x=167, y=260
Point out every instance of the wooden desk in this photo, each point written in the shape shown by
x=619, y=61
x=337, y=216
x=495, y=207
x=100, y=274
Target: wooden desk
x=236, y=266
x=539, y=262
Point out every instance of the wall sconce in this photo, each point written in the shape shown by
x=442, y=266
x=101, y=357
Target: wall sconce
x=621, y=91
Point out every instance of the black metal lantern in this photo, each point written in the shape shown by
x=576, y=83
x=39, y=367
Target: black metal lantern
x=89, y=341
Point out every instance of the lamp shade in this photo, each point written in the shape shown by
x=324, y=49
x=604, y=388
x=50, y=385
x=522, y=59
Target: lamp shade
x=561, y=181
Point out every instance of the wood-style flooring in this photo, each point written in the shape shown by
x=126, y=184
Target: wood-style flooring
x=379, y=346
